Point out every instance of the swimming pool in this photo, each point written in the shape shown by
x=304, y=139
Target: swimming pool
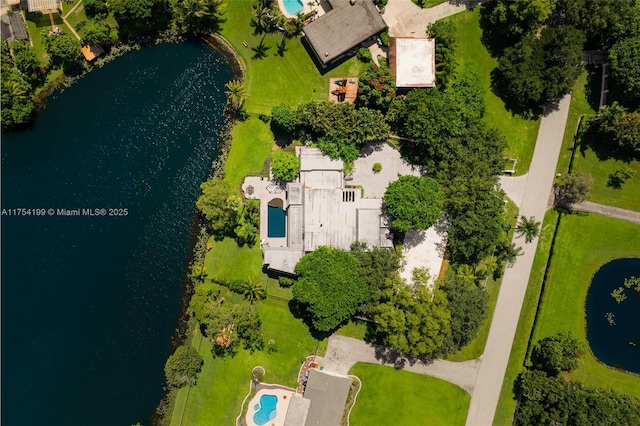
x=266, y=409
x=276, y=219
x=293, y=6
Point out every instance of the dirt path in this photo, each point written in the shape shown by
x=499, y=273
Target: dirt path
x=344, y=352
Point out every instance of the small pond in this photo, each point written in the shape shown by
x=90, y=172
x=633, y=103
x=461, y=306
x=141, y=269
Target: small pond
x=612, y=328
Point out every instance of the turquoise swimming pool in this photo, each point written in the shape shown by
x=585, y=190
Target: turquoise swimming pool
x=266, y=409
x=276, y=220
x=293, y=6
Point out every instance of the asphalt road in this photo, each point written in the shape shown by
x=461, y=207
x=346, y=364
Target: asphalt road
x=535, y=200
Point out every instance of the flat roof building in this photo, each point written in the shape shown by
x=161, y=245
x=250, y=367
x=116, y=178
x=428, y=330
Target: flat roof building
x=412, y=62
x=44, y=6
x=345, y=26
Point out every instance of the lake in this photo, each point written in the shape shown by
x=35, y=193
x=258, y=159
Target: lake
x=90, y=302
x=612, y=327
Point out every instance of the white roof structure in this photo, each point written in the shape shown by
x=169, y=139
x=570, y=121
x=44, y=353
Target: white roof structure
x=321, y=211
x=412, y=61
x=46, y=6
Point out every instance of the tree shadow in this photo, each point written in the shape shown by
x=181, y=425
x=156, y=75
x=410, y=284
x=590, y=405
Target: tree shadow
x=594, y=83
x=300, y=311
x=513, y=104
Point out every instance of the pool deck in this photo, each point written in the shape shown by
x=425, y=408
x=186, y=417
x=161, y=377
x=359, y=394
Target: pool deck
x=320, y=10
x=284, y=395
x=265, y=190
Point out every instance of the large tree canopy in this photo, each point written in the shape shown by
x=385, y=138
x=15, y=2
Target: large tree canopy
x=141, y=15
x=285, y=165
x=556, y=353
x=329, y=286
x=468, y=307
x=63, y=48
x=412, y=320
x=219, y=205
x=413, y=202
x=199, y=16
x=625, y=71
x=182, y=368
x=518, y=17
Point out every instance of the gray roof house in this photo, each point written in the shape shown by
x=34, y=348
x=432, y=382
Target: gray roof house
x=13, y=28
x=320, y=210
x=325, y=397
x=345, y=26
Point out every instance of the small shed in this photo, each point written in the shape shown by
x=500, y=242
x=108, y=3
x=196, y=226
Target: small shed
x=412, y=62
x=91, y=52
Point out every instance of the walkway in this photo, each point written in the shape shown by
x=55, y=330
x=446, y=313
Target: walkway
x=405, y=19
x=535, y=199
x=344, y=352
x=609, y=211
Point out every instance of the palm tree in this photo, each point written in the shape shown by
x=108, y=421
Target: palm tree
x=260, y=51
x=529, y=228
x=237, y=92
x=487, y=267
x=199, y=16
x=252, y=290
x=467, y=273
x=16, y=90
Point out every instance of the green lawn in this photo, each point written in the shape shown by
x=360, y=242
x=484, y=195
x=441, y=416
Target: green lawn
x=506, y=403
x=223, y=383
x=425, y=4
x=471, y=54
x=36, y=24
x=77, y=16
x=292, y=78
x=228, y=261
x=252, y=144
x=562, y=307
x=393, y=397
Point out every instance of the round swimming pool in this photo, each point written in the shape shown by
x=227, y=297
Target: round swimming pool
x=293, y=6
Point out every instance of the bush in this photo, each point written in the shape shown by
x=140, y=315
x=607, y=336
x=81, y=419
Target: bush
x=414, y=202
x=377, y=167
x=285, y=118
x=285, y=166
x=364, y=55
x=556, y=353
x=182, y=368
x=385, y=38
x=286, y=282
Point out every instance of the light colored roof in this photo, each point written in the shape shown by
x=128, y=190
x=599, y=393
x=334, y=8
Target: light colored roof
x=282, y=258
x=42, y=5
x=342, y=28
x=330, y=217
x=92, y=52
x=297, y=411
x=312, y=159
x=328, y=394
x=413, y=61
x=295, y=221
x=294, y=193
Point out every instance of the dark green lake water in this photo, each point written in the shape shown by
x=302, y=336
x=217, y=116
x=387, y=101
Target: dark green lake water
x=617, y=344
x=89, y=304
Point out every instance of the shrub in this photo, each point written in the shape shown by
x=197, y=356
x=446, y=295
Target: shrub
x=385, y=38
x=286, y=282
x=364, y=55
x=285, y=166
x=182, y=368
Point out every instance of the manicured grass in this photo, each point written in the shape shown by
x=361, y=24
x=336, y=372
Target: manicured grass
x=627, y=197
x=425, y=4
x=252, y=144
x=356, y=329
x=36, y=24
x=506, y=403
x=471, y=55
x=223, y=383
x=393, y=397
x=77, y=16
x=228, y=261
x=601, y=239
x=292, y=78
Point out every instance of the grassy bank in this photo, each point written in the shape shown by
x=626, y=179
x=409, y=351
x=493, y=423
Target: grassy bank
x=472, y=55
x=391, y=397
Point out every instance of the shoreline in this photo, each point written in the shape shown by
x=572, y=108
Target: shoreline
x=180, y=336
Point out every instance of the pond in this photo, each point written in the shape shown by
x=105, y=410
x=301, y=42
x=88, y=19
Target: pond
x=89, y=303
x=612, y=328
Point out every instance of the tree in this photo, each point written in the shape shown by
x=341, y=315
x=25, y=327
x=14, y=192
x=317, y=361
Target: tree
x=624, y=57
x=413, y=202
x=95, y=7
x=95, y=32
x=445, y=34
x=376, y=88
x=556, y=353
x=17, y=107
x=237, y=93
x=538, y=70
x=285, y=166
x=515, y=18
x=26, y=60
x=468, y=306
x=620, y=127
x=575, y=188
x=600, y=20
x=412, y=320
x=199, y=16
x=529, y=228
x=219, y=205
x=63, y=48
x=182, y=368
x=141, y=15
x=284, y=118
x=253, y=290
x=377, y=265
x=329, y=286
